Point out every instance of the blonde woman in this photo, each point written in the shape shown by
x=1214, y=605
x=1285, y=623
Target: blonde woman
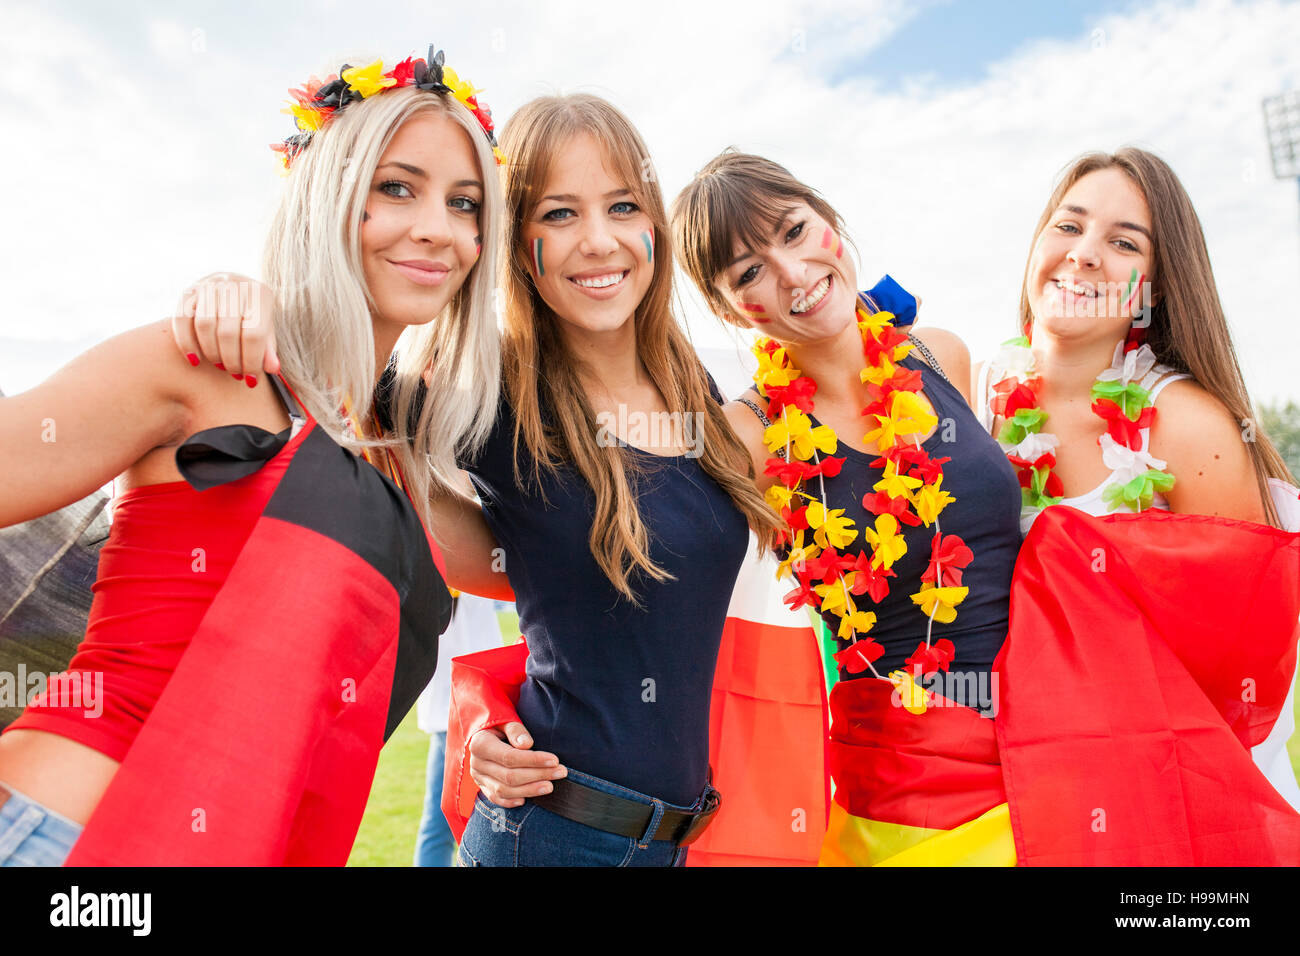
x=252, y=643
x=622, y=502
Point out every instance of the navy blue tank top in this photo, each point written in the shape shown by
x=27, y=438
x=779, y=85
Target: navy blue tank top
x=616, y=690
x=985, y=513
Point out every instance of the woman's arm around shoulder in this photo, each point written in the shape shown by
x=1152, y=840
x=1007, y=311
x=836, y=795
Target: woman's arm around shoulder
x=92, y=420
x=475, y=562
x=1208, y=454
x=952, y=355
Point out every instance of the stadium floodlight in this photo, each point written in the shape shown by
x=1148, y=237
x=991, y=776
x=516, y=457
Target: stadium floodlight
x=1282, y=119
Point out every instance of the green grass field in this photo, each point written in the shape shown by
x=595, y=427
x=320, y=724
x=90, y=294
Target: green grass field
x=387, y=834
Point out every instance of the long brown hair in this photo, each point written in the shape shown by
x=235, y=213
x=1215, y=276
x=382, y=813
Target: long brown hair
x=1188, y=329
x=540, y=372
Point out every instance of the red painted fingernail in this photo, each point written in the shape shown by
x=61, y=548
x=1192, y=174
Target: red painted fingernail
x=220, y=366
x=250, y=381
x=193, y=359
x=237, y=378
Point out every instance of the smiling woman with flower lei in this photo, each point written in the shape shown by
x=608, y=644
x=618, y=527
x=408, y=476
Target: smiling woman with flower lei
x=1123, y=398
x=900, y=514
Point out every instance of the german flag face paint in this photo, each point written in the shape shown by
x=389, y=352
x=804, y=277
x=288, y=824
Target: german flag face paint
x=831, y=241
x=755, y=313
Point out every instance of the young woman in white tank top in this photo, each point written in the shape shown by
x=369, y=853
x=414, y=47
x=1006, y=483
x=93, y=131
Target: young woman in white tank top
x=1105, y=315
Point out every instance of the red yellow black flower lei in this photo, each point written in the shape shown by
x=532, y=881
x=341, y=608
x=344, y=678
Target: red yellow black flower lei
x=909, y=492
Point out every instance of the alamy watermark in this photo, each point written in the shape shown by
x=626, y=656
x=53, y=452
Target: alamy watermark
x=646, y=430
x=84, y=689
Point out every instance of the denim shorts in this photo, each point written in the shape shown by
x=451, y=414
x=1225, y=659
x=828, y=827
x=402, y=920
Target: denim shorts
x=31, y=835
x=528, y=835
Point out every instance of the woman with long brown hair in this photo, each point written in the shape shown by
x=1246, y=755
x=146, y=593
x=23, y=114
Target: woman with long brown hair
x=620, y=497
x=1123, y=396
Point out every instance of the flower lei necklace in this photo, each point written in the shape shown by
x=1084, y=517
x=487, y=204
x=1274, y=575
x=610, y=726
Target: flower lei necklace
x=1118, y=398
x=909, y=492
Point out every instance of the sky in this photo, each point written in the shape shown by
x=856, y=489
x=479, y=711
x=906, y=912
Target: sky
x=135, y=135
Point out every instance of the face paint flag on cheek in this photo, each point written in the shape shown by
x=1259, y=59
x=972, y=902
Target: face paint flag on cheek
x=1134, y=290
x=537, y=257
x=649, y=239
x=832, y=242
x=756, y=313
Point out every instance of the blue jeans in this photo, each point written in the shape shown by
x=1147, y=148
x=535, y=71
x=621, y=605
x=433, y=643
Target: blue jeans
x=31, y=835
x=528, y=835
x=434, y=844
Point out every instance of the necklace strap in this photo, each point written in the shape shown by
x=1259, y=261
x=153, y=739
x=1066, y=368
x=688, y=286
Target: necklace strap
x=762, y=417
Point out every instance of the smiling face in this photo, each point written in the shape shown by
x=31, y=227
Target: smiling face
x=589, y=245
x=420, y=234
x=1088, y=270
x=800, y=288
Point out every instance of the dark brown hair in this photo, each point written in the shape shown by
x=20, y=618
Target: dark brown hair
x=736, y=197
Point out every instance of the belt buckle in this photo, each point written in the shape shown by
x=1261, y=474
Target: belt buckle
x=700, y=822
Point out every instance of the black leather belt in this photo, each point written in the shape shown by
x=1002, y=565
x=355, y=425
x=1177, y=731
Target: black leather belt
x=629, y=818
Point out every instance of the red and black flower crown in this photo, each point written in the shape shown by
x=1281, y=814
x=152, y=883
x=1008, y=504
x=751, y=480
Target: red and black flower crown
x=319, y=101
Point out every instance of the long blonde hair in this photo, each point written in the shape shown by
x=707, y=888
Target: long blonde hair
x=325, y=337
x=554, y=420
x=1188, y=330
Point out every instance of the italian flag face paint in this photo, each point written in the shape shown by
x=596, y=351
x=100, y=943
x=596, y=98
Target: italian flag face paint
x=649, y=239
x=537, y=257
x=1134, y=288
x=832, y=242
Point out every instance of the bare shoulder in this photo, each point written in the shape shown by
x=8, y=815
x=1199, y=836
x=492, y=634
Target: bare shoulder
x=743, y=421
x=951, y=353
x=1189, y=418
x=1208, y=453
x=749, y=429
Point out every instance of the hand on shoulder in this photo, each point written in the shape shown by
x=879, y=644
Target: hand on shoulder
x=1207, y=452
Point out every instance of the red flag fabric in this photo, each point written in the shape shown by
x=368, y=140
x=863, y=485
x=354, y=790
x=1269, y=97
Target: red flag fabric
x=1147, y=654
x=484, y=693
x=935, y=770
x=262, y=747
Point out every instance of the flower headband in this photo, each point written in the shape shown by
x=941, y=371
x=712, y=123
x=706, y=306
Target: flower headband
x=319, y=101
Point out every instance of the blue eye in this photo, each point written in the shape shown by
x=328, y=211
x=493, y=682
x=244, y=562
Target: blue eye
x=558, y=215
x=465, y=204
x=624, y=208
x=398, y=185
x=1066, y=227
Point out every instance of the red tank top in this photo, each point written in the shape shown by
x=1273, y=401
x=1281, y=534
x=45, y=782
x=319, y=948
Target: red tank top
x=168, y=553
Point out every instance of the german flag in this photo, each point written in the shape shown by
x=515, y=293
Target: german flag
x=262, y=748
